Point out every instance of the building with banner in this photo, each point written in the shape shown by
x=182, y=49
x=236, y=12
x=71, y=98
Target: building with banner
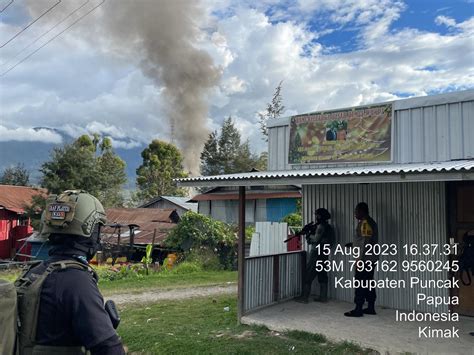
x=410, y=160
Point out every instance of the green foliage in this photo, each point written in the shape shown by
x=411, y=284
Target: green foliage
x=206, y=258
x=293, y=220
x=34, y=209
x=162, y=162
x=224, y=153
x=273, y=110
x=196, y=232
x=81, y=166
x=187, y=267
x=249, y=231
x=147, y=259
x=16, y=175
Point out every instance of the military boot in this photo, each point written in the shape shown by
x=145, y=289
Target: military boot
x=323, y=293
x=304, y=295
x=357, y=312
x=370, y=309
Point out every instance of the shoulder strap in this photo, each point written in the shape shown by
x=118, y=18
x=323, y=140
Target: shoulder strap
x=71, y=264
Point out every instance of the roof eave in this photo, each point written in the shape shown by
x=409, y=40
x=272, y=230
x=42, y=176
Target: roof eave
x=332, y=180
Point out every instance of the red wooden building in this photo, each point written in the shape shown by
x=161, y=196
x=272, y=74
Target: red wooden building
x=14, y=223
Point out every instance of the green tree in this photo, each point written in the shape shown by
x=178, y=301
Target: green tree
x=274, y=110
x=88, y=165
x=16, y=175
x=34, y=208
x=162, y=162
x=229, y=146
x=210, y=157
x=226, y=154
x=111, y=169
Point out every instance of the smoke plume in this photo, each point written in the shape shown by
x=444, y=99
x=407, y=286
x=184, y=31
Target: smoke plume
x=164, y=33
x=161, y=35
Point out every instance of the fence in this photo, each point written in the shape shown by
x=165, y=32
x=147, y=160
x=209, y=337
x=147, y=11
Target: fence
x=272, y=278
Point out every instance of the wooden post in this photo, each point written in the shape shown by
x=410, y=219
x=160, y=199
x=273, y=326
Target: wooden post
x=153, y=240
x=241, y=253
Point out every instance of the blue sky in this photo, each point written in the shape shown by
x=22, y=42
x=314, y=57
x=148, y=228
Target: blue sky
x=100, y=76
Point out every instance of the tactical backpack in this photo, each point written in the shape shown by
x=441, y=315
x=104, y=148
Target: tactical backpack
x=19, y=308
x=466, y=259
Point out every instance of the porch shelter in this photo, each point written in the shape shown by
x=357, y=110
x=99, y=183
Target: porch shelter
x=413, y=203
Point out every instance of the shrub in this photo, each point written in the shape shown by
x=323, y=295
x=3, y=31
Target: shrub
x=198, y=232
x=293, y=220
x=249, y=231
x=187, y=267
x=208, y=259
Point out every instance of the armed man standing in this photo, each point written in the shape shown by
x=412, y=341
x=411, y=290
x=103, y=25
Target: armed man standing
x=61, y=310
x=320, y=233
x=366, y=233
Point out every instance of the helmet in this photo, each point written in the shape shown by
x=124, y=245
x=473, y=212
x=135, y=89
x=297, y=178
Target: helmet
x=323, y=213
x=73, y=212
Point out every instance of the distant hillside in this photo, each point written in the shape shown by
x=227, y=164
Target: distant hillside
x=33, y=154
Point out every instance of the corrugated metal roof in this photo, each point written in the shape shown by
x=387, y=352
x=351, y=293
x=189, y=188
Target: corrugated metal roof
x=140, y=215
x=148, y=219
x=379, y=169
x=178, y=201
x=183, y=202
x=248, y=196
x=15, y=198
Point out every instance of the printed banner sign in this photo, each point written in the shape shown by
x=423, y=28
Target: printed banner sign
x=361, y=134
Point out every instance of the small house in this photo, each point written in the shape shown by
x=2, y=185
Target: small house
x=180, y=204
x=14, y=222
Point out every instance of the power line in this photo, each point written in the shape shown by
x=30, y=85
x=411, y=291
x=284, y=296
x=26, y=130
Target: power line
x=53, y=38
x=5, y=7
x=31, y=23
x=45, y=33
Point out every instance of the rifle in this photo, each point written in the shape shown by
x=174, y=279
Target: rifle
x=308, y=229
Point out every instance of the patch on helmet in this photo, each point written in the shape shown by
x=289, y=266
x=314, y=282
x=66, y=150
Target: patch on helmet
x=58, y=211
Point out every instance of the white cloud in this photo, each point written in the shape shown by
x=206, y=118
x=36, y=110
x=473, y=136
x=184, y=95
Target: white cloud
x=445, y=20
x=44, y=135
x=80, y=84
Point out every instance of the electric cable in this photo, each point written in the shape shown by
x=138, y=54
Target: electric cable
x=31, y=23
x=45, y=33
x=53, y=38
x=5, y=7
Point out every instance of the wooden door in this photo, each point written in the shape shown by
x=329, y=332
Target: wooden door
x=461, y=221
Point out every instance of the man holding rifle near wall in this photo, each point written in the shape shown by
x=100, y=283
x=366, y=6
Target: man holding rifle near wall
x=317, y=234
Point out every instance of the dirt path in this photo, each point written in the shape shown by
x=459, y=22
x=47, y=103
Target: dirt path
x=173, y=294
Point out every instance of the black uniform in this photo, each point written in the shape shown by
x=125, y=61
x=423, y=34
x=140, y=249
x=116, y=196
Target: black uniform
x=72, y=313
x=324, y=234
x=366, y=233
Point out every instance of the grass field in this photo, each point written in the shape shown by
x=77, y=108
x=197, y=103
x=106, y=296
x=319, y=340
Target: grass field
x=162, y=280
x=166, y=280
x=202, y=326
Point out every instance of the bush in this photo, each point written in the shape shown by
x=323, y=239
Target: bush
x=187, y=267
x=208, y=259
x=249, y=231
x=198, y=232
x=293, y=220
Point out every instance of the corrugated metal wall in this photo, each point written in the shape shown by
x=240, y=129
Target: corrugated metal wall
x=259, y=291
x=290, y=275
x=421, y=134
x=405, y=213
x=258, y=283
